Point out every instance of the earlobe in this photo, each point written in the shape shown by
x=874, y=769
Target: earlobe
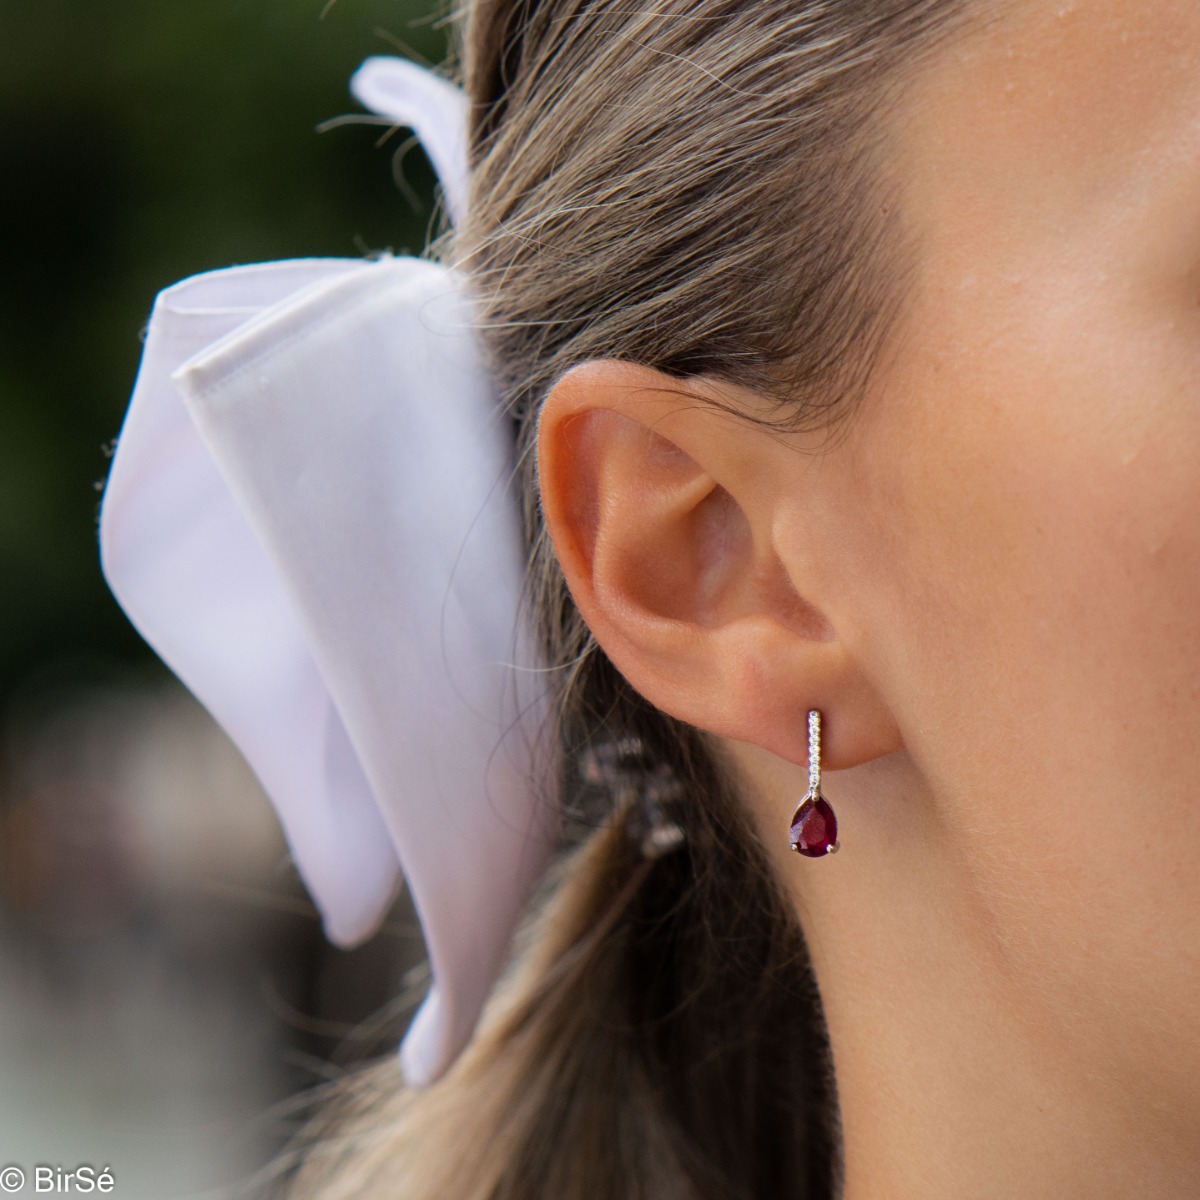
x=662, y=509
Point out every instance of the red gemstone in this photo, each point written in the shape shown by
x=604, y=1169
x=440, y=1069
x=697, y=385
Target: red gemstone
x=814, y=828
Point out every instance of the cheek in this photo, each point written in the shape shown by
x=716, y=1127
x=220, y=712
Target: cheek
x=1052, y=490
x=1034, y=570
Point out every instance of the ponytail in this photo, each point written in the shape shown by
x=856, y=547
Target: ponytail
x=656, y=1036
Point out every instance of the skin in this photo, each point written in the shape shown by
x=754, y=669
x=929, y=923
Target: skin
x=990, y=586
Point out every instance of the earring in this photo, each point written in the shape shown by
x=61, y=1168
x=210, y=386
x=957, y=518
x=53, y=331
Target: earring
x=814, y=827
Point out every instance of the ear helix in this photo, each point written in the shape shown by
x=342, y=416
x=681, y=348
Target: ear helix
x=814, y=827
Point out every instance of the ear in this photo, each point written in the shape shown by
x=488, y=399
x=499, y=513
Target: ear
x=665, y=512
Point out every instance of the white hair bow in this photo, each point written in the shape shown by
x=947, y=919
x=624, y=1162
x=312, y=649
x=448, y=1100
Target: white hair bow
x=311, y=518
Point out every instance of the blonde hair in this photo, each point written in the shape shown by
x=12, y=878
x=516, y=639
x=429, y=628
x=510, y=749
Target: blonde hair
x=697, y=186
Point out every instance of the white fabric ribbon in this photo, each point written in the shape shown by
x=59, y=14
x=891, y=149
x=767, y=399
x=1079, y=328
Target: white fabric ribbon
x=433, y=108
x=311, y=518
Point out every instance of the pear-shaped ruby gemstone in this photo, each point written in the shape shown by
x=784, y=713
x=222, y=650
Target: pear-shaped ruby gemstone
x=814, y=828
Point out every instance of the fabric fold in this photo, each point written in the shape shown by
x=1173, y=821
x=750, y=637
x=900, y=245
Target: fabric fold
x=310, y=516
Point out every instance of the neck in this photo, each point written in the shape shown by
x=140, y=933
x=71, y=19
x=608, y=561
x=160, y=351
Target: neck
x=960, y=1071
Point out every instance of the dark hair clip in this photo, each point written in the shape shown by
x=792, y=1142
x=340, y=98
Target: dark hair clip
x=623, y=768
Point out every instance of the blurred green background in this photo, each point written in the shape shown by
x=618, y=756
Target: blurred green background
x=164, y=984
x=142, y=141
